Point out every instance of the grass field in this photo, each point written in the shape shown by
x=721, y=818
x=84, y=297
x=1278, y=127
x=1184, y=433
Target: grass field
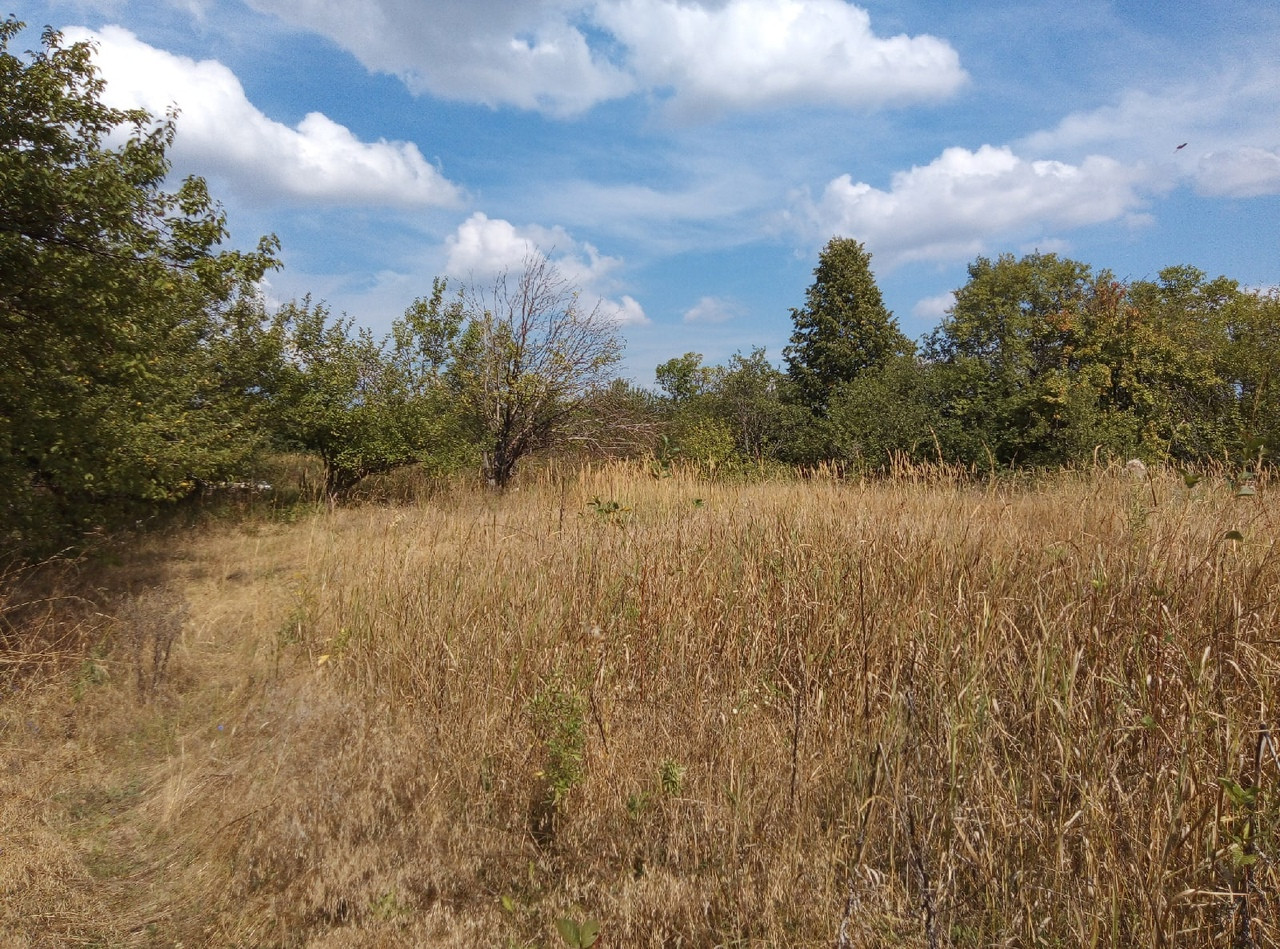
x=915, y=712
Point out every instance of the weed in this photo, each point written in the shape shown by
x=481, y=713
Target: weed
x=558, y=714
x=610, y=512
x=578, y=935
x=671, y=777
x=150, y=623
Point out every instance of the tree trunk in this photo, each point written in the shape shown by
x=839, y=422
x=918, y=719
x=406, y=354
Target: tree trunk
x=499, y=467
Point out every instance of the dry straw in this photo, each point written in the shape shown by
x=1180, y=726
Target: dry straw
x=825, y=712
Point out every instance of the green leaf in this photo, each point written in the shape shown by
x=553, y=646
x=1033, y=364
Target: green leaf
x=1241, y=797
x=569, y=932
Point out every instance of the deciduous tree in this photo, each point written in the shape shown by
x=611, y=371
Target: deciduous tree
x=122, y=379
x=1004, y=357
x=527, y=360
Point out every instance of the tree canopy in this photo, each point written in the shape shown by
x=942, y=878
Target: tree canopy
x=528, y=358
x=126, y=328
x=843, y=329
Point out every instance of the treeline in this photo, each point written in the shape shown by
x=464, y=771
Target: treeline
x=1041, y=361
x=140, y=362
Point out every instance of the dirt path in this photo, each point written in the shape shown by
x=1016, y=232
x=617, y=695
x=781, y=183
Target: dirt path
x=101, y=762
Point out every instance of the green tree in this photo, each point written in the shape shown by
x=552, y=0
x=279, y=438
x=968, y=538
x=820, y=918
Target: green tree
x=685, y=378
x=1252, y=361
x=1196, y=393
x=843, y=329
x=751, y=392
x=1004, y=358
x=738, y=412
x=1045, y=362
x=884, y=414
x=129, y=337
x=367, y=406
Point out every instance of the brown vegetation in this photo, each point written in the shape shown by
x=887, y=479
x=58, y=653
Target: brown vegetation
x=912, y=712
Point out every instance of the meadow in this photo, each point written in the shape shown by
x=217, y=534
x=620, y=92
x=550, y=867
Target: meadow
x=929, y=710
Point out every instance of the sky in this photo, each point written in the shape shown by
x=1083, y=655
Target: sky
x=683, y=162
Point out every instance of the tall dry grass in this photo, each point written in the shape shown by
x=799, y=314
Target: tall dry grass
x=916, y=712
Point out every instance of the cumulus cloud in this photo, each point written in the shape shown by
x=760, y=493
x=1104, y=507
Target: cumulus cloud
x=952, y=207
x=221, y=132
x=564, y=56
x=484, y=248
x=762, y=53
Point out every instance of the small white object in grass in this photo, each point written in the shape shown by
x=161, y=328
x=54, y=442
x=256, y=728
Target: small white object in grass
x=1136, y=468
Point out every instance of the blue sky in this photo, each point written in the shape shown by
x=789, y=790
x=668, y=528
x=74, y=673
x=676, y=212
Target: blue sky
x=684, y=161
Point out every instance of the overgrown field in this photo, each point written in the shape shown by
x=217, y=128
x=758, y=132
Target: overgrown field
x=919, y=712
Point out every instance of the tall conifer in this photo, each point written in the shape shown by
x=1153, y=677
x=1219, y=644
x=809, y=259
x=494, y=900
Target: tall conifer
x=843, y=329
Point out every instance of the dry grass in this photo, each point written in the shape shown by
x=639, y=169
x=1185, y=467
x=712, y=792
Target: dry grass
x=917, y=713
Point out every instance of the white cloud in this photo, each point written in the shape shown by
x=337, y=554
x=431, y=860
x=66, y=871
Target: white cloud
x=1239, y=173
x=524, y=53
x=764, y=53
x=935, y=307
x=711, y=310
x=952, y=207
x=629, y=313
x=484, y=248
x=221, y=132
x=564, y=56
x=1226, y=123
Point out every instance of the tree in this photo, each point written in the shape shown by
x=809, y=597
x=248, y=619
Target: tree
x=528, y=359
x=736, y=412
x=843, y=329
x=685, y=378
x=1005, y=358
x=128, y=336
x=750, y=392
x=1044, y=362
x=1253, y=362
x=1196, y=414
x=364, y=405
x=884, y=414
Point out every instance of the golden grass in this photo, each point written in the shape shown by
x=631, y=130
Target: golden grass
x=917, y=712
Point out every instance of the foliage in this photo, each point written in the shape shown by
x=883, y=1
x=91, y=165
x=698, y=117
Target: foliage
x=1252, y=361
x=487, y=376
x=559, y=721
x=130, y=340
x=738, y=412
x=882, y=415
x=684, y=378
x=1006, y=347
x=1196, y=410
x=1043, y=362
x=364, y=406
x=843, y=329
x=578, y=935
